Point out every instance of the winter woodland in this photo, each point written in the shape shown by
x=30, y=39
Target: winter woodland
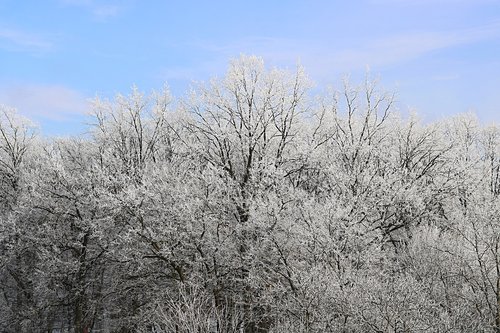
x=251, y=205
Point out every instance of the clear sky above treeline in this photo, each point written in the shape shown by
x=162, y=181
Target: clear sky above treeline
x=441, y=56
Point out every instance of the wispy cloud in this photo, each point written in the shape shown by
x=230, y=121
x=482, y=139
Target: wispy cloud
x=404, y=47
x=52, y=102
x=17, y=40
x=394, y=49
x=322, y=58
x=275, y=51
x=449, y=77
x=99, y=9
x=430, y=2
x=183, y=73
x=106, y=11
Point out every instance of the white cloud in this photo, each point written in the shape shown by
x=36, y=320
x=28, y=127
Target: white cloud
x=106, y=11
x=404, y=47
x=52, y=102
x=430, y=2
x=449, y=77
x=322, y=58
x=16, y=40
x=98, y=9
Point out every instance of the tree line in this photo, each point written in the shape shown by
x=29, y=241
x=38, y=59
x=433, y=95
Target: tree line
x=251, y=206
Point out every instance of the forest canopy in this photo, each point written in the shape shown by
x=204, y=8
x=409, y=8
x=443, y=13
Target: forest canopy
x=251, y=206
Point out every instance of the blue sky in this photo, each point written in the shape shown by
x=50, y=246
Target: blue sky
x=441, y=56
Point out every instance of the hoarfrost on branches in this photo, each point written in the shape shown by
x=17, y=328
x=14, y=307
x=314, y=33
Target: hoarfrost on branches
x=251, y=206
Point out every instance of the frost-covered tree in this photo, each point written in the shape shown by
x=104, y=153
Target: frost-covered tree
x=251, y=206
x=17, y=256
